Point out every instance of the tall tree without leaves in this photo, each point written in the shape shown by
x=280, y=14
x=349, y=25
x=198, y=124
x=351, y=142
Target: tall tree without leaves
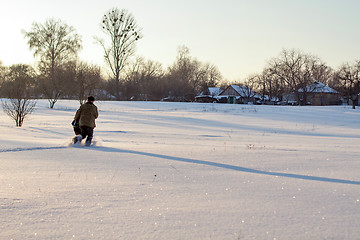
x=2, y=75
x=124, y=32
x=187, y=77
x=87, y=79
x=347, y=80
x=143, y=80
x=55, y=43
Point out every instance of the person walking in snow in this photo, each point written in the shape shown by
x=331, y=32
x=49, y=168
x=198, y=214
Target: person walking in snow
x=86, y=115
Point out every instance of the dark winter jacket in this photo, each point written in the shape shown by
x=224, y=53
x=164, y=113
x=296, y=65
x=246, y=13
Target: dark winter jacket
x=87, y=114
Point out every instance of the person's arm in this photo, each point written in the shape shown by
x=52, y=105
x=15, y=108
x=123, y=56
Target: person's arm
x=96, y=113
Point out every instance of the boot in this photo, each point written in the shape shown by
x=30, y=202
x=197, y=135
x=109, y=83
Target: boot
x=77, y=139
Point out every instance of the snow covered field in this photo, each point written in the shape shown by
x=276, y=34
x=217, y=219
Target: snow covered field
x=182, y=171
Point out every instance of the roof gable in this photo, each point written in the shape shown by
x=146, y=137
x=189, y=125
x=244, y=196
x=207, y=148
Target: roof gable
x=236, y=90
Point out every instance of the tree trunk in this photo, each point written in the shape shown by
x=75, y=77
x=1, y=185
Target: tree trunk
x=354, y=100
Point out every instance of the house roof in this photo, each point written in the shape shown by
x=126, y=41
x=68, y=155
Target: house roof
x=318, y=87
x=211, y=91
x=242, y=91
x=239, y=89
x=214, y=91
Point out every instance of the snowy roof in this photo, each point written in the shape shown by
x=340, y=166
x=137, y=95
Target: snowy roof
x=273, y=99
x=318, y=87
x=214, y=91
x=243, y=91
x=211, y=91
x=240, y=89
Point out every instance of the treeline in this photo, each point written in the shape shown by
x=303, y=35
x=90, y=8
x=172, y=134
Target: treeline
x=147, y=80
x=143, y=79
x=60, y=74
x=294, y=70
x=140, y=79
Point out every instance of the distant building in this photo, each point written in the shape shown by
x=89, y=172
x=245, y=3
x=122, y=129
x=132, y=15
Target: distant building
x=318, y=94
x=270, y=101
x=209, y=95
x=238, y=94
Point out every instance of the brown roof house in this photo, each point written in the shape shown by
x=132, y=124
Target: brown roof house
x=318, y=94
x=238, y=94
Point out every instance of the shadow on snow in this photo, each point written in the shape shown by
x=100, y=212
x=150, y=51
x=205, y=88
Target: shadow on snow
x=227, y=166
x=201, y=162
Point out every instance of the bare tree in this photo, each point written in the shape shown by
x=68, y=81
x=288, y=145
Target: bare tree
x=64, y=76
x=297, y=70
x=289, y=66
x=124, y=32
x=322, y=73
x=187, y=77
x=260, y=84
x=143, y=80
x=55, y=43
x=266, y=85
x=18, y=83
x=181, y=76
x=18, y=109
x=3, y=70
x=348, y=82
x=87, y=80
x=212, y=77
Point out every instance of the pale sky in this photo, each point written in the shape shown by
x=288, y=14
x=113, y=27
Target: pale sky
x=237, y=36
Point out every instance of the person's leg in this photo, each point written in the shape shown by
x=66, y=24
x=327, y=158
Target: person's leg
x=78, y=137
x=90, y=133
x=84, y=132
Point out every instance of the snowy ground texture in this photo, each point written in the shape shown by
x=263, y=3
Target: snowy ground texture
x=182, y=171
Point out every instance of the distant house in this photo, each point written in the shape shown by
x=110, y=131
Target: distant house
x=238, y=94
x=318, y=94
x=270, y=101
x=209, y=95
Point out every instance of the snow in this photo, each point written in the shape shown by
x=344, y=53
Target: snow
x=163, y=170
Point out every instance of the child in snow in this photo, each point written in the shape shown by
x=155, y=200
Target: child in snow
x=76, y=127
